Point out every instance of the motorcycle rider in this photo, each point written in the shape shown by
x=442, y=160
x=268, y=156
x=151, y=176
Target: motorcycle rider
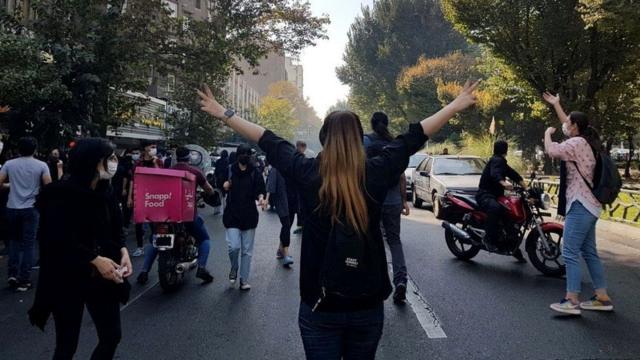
x=197, y=228
x=493, y=183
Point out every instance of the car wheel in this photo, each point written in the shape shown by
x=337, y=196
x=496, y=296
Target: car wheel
x=417, y=202
x=436, y=206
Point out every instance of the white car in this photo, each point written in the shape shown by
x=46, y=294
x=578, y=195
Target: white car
x=410, y=172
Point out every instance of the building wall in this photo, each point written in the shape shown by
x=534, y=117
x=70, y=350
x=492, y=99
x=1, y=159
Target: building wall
x=295, y=74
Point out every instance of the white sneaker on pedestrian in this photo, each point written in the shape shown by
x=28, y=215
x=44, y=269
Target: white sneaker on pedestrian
x=244, y=286
x=138, y=252
x=565, y=306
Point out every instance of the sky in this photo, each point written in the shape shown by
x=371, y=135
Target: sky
x=321, y=85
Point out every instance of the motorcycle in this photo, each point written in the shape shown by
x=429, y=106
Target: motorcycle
x=464, y=228
x=177, y=254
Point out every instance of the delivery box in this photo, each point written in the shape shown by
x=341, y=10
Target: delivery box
x=163, y=195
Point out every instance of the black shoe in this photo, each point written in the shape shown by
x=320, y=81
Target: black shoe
x=143, y=278
x=204, y=275
x=13, y=283
x=519, y=256
x=233, y=276
x=23, y=286
x=400, y=295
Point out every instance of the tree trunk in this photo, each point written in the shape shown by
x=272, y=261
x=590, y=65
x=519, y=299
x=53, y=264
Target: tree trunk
x=627, y=166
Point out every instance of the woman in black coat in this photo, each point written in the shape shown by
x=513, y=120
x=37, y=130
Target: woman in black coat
x=83, y=258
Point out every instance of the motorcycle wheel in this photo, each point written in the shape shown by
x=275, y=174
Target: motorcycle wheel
x=547, y=262
x=460, y=249
x=169, y=279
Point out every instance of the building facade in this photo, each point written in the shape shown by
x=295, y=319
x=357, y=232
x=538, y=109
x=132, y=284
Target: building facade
x=295, y=74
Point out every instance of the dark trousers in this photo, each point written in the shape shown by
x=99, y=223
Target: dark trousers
x=105, y=313
x=341, y=335
x=285, y=231
x=391, y=229
x=23, y=228
x=490, y=205
x=140, y=234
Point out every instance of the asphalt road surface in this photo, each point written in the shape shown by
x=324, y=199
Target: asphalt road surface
x=491, y=308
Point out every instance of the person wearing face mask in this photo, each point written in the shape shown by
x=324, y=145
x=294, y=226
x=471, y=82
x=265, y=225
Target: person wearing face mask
x=580, y=207
x=148, y=158
x=245, y=186
x=83, y=258
x=26, y=176
x=55, y=165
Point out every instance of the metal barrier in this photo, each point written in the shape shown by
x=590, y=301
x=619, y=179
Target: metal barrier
x=625, y=209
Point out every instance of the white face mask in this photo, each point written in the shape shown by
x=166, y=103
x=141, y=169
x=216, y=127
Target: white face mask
x=194, y=158
x=135, y=157
x=565, y=129
x=153, y=152
x=112, y=168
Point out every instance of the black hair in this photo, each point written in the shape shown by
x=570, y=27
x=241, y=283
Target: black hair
x=224, y=154
x=182, y=154
x=232, y=157
x=84, y=158
x=144, y=143
x=27, y=146
x=500, y=148
x=586, y=130
x=380, y=125
x=301, y=143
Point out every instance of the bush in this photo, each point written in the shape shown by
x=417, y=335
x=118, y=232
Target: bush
x=482, y=146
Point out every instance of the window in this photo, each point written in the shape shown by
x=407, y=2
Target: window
x=455, y=166
x=171, y=83
x=198, y=4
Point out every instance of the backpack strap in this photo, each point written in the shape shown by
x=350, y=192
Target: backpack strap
x=582, y=176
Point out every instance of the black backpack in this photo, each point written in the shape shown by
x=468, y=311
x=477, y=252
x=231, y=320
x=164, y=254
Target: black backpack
x=351, y=273
x=606, y=179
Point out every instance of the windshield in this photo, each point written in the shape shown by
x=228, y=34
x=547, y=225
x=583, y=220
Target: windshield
x=416, y=159
x=453, y=166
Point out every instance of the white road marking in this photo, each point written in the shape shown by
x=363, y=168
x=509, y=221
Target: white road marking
x=423, y=311
x=138, y=296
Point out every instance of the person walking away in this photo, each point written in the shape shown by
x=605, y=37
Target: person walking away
x=26, y=176
x=149, y=158
x=493, y=183
x=277, y=195
x=197, y=228
x=344, y=278
x=301, y=147
x=579, y=206
x=120, y=184
x=245, y=186
x=83, y=257
x=55, y=165
x=221, y=172
x=394, y=205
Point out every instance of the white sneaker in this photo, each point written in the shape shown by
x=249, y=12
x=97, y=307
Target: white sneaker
x=566, y=307
x=139, y=252
x=244, y=286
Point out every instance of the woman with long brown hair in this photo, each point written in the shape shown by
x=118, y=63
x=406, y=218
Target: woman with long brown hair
x=344, y=279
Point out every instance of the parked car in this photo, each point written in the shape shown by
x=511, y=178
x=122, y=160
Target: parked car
x=409, y=173
x=437, y=175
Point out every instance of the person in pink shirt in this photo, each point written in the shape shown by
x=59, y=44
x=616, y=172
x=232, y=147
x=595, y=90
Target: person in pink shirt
x=579, y=206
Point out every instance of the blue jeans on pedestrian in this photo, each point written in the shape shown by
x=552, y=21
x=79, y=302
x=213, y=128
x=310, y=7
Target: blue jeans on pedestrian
x=340, y=335
x=241, y=241
x=23, y=228
x=391, y=229
x=199, y=232
x=580, y=241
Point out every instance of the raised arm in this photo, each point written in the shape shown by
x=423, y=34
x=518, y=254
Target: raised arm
x=435, y=122
x=246, y=129
x=554, y=100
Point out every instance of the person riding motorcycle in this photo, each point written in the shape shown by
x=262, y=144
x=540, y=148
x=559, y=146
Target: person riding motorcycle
x=197, y=228
x=493, y=183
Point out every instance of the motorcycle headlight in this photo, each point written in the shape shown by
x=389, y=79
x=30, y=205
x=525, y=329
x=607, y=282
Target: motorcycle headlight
x=545, y=201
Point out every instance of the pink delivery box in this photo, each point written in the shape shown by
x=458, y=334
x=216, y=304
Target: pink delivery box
x=163, y=195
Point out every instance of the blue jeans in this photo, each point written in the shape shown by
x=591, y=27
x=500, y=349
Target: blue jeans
x=391, y=229
x=23, y=228
x=198, y=230
x=340, y=335
x=241, y=240
x=580, y=240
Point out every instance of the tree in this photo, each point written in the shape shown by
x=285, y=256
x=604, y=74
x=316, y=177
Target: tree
x=385, y=39
x=276, y=114
x=340, y=105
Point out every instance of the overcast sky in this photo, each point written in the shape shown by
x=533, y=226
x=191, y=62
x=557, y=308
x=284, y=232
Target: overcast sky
x=321, y=85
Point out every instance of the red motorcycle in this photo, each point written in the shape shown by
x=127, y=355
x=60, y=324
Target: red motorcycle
x=464, y=228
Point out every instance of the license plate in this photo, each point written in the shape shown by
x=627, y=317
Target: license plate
x=163, y=241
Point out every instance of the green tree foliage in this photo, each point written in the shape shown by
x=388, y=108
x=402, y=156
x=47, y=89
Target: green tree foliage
x=276, y=114
x=385, y=39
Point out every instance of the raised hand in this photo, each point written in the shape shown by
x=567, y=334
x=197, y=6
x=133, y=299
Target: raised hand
x=209, y=103
x=551, y=99
x=550, y=131
x=467, y=98
x=4, y=109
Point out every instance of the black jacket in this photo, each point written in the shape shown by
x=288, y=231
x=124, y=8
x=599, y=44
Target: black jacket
x=382, y=172
x=246, y=187
x=76, y=225
x=495, y=171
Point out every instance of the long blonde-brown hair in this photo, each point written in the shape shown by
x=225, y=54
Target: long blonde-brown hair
x=342, y=169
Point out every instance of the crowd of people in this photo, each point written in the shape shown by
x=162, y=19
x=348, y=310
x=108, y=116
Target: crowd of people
x=348, y=202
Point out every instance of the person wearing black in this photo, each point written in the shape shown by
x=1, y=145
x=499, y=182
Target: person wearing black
x=493, y=183
x=245, y=186
x=221, y=173
x=277, y=194
x=83, y=258
x=344, y=278
x=120, y=184
x=55, y=165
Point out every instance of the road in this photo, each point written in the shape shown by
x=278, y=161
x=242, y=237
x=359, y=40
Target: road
x=491, y=308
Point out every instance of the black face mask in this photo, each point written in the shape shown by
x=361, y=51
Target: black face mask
x=244, y=159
